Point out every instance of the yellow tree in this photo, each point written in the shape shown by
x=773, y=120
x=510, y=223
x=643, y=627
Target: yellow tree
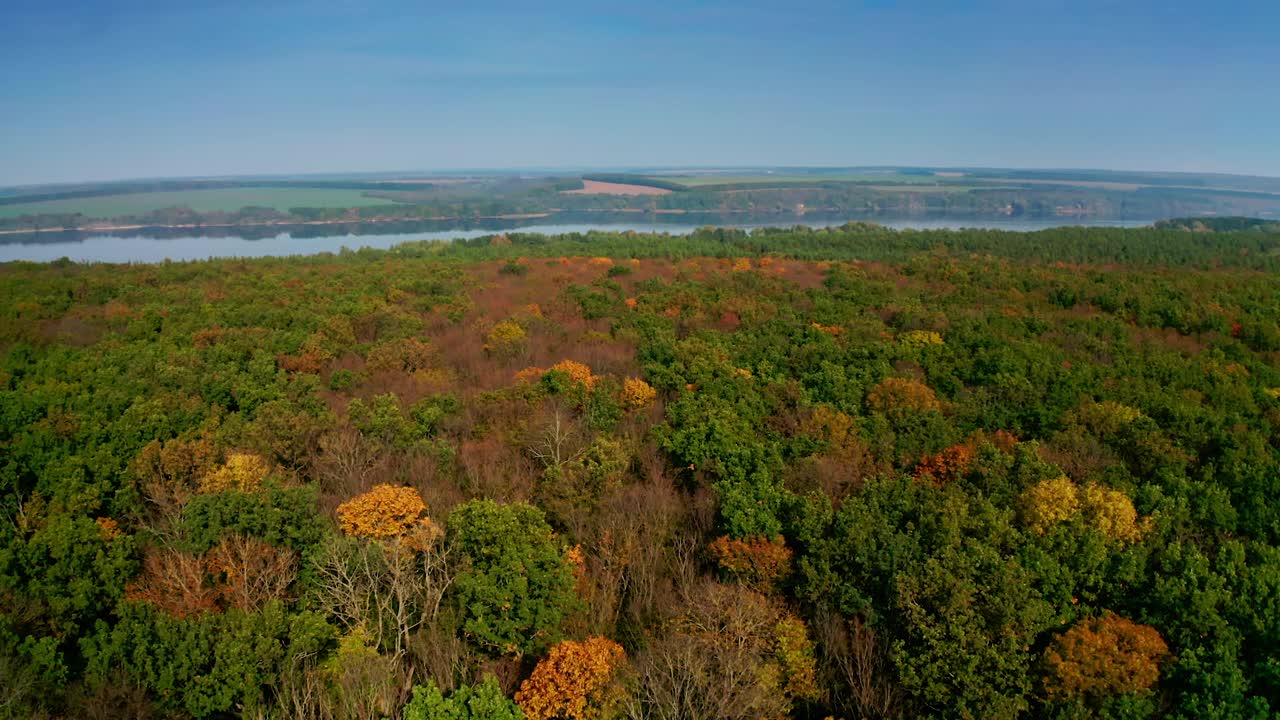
x=1111, y=512
x=383, y=512
x=898, y=397
x=1049, y=502
x=242, y=471
x=637, y=393
x=920, y=338
x=505, y=339
x=1108, y=511
x=574, y=682
x=389, y=575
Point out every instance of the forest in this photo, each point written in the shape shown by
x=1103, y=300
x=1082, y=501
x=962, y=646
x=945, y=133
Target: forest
x=801, y=473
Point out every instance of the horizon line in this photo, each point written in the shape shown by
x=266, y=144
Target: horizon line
x=550, y=170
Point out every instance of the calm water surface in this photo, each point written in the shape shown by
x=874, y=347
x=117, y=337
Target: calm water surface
x=159, y=244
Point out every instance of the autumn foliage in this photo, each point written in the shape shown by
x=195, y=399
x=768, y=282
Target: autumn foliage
x=242, y=471
x=505, y=339
x=574, y=681
x=108, y=529
x=759, y=562
x=831, y=426
x=406, y=355
x=174, y=463
x=579, y=373
x=920, y=338
x=239, y=572
x=1105, y=656
x=529, y=375
x=310, y=361
x=947, y=465
x=900, y=397
x=796, y=658
x=785, y=495
x=385, y=511
x=1109, y=511
x=174, y=582
x=637, y=393
x=1049, y=502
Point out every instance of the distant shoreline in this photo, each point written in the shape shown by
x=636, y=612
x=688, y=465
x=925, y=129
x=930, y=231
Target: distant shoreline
x=271, y=223
x=363, y=221
x=1062, y=212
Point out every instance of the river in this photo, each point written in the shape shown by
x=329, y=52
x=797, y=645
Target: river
x=159, y=244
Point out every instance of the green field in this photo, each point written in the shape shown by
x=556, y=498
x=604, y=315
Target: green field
x=199, y=200
x=778, y=179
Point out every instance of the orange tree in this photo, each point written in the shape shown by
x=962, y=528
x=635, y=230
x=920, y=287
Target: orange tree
x=574, y=681
x=1100, y=658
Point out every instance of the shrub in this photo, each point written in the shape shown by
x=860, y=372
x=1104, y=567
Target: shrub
x=512, y=267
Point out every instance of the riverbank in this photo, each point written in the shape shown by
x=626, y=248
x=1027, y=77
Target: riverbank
x=157, y=244
x=798, y=213
x=95, y=227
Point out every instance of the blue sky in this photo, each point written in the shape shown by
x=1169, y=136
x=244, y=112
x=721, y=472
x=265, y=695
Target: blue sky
x=114, y=89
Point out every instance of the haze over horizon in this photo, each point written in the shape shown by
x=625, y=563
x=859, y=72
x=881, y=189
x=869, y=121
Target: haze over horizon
x=120, y=89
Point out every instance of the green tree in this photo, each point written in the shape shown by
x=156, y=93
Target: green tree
x=934, y=569
x=208, y=665
x=483, y=701
x=65, y=573
x=517, y=585
x=285, y=517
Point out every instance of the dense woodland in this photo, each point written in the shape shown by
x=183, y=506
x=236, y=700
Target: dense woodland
x=844, y=473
